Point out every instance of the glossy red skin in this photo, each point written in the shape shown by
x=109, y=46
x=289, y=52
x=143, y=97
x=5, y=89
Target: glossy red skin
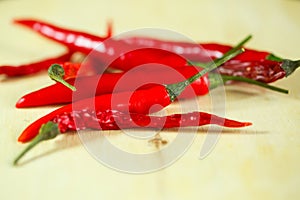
x=198, y=52
x=204, y=52
x=108, y=83
x=71, y=38
x=35, y=67
x=201, y=52
x=138, y=57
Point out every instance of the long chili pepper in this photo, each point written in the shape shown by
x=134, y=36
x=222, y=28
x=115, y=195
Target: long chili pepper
x=106, y=83
x=140, y=57
x=257, y=65
x=115, y=120
x=71, y=38
x=202, y=52
x=88, y=42
x=35, y=67
x=139, y=101
x=263, y=70
x=91, y=42
x=195, y=52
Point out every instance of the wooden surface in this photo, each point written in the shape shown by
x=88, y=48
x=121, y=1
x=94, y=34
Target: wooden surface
x=257, y=162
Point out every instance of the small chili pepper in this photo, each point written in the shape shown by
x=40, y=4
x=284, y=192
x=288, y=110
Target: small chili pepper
x=139, y=101
x=35, y=67
x=115, y=120
x=71, y=38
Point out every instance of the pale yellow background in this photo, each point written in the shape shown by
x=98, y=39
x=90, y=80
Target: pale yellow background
x=257, y=162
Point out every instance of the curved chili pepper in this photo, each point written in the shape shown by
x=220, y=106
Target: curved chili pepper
x=116, y=120
x=35, y=67
x=71, y=38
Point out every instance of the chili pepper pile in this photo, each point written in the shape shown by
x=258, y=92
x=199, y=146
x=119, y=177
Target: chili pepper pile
x=131, y=107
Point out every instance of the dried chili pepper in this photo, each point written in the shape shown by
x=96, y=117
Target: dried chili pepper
x=35, y=67
x=139, y=101
x=257, y=65
x=265, y=71
x=116, y=120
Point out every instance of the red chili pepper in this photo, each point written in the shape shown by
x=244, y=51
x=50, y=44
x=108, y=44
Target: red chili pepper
x=195, y=52
x=85, y=42
x=265, y=71
x=139, y=57
x=260, y=66
x=202, y=52
x=135, y=58
x=35, y=67
x=71, y=38
x=108, y=83
x=139, y=101
x=115, y=120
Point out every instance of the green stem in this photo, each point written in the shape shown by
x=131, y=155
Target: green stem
x=273, y=57
x=56, y=72
x=176, y=89
x=238, y=46
x=215, y=81
x=47, y=131
x=289, y=66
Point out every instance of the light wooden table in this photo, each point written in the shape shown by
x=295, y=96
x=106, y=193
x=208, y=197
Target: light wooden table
x=257, y=162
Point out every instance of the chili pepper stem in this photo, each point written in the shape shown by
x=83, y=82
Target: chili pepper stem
x=176, y=89
x=289, y=66
x=56, y=72
x=47, y=131
x=215, y=80
x=238, y=46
